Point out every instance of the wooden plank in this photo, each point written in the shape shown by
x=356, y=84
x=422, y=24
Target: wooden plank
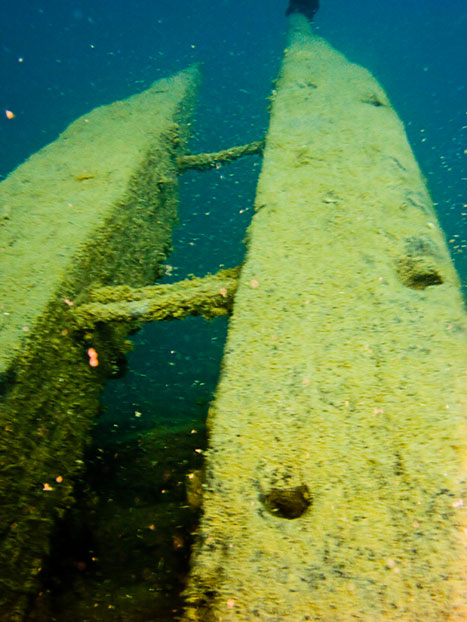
x=96, y=207
x=335, y=478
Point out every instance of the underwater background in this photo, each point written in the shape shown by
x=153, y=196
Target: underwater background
x=59, y=59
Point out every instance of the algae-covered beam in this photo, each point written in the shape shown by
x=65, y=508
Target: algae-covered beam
x=336, y=476
x=96, y=207
x=209, y=296
x=205, y=161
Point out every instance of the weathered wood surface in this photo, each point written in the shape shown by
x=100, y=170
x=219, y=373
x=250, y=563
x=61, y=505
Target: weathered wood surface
x=336, y=474
x=96, y=207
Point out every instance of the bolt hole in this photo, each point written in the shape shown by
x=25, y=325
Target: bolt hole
x=373, y=100
x=287, y=503
x=418, y=273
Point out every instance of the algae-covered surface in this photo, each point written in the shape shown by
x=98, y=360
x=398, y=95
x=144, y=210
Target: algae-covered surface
x=336, y=470
x=121, y=554
x=57, y=205
x=96, y=207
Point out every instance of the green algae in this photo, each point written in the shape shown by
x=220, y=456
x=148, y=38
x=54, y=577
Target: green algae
x=336, y=471
x=209, y=296
x=121, y=553
x=96, y=207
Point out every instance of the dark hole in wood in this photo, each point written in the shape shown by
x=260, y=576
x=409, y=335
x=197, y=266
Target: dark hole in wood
x=287, y=502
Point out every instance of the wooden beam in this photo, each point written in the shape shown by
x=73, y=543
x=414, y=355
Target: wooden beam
x=209, y=296
x=206, y=161
x=336, y=472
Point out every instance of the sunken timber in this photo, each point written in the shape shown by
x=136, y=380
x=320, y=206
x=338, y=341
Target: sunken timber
x=94, y=208
x=335, y=482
